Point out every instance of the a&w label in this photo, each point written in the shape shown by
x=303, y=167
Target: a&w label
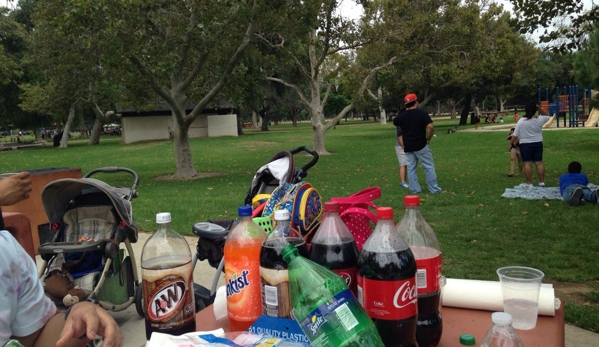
x=168, y=299
x=388, y=300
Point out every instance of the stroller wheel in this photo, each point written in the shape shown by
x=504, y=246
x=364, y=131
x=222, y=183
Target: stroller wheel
x=139, y=301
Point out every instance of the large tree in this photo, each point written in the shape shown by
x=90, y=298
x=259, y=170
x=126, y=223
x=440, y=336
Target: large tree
x=181, y=53
x=316, y=54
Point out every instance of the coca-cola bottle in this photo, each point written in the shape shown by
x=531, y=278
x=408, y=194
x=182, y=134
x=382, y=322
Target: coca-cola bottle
x=167, y=279
x=274, y=277
x=334, y=247
x=425, y=246
x=387, y=282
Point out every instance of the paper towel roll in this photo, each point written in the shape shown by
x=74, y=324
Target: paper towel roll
x=486, y=295
x=220, y=303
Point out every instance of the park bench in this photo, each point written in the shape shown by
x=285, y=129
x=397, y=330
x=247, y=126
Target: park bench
x=582, y=118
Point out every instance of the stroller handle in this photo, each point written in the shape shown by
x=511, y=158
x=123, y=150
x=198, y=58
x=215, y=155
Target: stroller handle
x=303, y=171
x=115, y=169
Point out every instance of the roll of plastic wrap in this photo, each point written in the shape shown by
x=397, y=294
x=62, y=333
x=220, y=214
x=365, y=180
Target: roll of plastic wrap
x=486, y=295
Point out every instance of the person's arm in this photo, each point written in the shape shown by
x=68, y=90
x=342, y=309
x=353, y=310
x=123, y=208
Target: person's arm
x=14, y=188
x=430, y=131
x=83, y=323
x=400, y=140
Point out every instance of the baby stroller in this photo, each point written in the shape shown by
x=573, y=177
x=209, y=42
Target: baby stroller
x=212, y=234
x=90, y=220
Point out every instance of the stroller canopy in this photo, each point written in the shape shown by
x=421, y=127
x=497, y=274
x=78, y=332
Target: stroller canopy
x=57, y=196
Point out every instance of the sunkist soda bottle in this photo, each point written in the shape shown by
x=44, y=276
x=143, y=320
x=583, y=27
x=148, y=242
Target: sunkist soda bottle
x=387, y=283
x=425, y=246
x=334, y=247
x=242, y=271
x=324, y=307
x=273, y=269
x=167, y=279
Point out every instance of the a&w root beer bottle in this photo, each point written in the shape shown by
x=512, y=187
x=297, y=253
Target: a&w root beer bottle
x=167, y=279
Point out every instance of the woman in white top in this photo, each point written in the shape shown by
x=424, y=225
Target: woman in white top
x=529, y=136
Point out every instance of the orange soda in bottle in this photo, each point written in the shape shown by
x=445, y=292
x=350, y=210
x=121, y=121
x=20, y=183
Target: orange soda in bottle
x=242, y=271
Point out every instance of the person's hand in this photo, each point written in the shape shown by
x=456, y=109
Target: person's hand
x=87, y=320
x=15, y=188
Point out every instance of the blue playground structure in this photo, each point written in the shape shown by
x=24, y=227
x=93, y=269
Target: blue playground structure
x=568, y=105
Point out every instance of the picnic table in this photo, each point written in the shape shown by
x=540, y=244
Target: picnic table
x=491, y=116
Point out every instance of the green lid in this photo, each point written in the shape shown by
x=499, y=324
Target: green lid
x=289, y=252
x=467, y=339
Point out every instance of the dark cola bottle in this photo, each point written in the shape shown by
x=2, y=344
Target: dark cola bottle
x=334, y=246
x=274, y=274
x=425, y=246
x=387, y=283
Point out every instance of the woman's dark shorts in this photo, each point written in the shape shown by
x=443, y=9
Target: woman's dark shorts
x=532, y=152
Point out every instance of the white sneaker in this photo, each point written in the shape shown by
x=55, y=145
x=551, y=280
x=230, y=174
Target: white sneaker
x=403, y=185
x=526, y=185
x=541, y=184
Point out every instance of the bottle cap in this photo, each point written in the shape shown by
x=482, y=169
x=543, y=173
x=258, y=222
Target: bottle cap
x=384, y=212
x=331, y=206
x=501, y=318
x=411, y=200
x=282, y=215
x=163, y=217
x=467, y=340
x=244, y=211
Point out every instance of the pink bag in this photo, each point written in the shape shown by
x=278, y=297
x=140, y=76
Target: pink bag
x=358, y=212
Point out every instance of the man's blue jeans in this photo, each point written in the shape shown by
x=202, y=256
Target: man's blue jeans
x=425, y=157
x=587, y=193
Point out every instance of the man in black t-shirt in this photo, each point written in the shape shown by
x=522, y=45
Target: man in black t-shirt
x=417, y=128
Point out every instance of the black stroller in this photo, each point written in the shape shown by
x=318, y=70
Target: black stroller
x=90, y=220
x=211, y=234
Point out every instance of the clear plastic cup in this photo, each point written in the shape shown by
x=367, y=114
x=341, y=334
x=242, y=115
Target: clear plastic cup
x=520, y=288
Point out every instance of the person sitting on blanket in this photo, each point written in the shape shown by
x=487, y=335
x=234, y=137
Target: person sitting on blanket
x=573, y=186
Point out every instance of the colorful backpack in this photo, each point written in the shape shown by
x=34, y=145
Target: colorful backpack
x=303, y=203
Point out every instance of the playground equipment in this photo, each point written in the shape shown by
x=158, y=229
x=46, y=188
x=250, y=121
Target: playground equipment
x=568, y=105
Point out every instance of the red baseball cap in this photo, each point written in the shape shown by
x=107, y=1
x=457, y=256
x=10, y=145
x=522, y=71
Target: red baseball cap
x=410, y=98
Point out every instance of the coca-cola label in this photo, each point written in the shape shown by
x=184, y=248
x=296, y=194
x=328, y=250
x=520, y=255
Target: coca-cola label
x=349, y=275
x=166, y=300
x=338, y=311
x=428, y=275
x=388, y=300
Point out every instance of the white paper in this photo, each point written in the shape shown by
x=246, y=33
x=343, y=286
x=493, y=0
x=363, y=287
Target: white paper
x=486, y=295
x=220, y=303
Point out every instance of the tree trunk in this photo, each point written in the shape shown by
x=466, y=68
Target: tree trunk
x=438, y=107
x=183, y=156
x=101, y=118
x=67, y=128
x=318, y=139
x=465, y=110
x=254, y=120
x=381, y=109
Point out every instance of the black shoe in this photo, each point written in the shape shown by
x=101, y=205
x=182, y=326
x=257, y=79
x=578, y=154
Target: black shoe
x=576, y=196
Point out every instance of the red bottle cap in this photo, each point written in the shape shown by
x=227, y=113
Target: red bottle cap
x=384, y=212
x=331, y=206
x=411, y=200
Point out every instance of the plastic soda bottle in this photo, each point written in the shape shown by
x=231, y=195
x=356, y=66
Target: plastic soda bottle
x=242, y=271
x=167, y=280
x=425, y=246
x=334, y=247
x=387, y=283
x=273, y=269
x=324, y=307
x=502, y=334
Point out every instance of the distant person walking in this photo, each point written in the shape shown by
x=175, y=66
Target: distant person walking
x=529, y=137
x=476, y=115
x=417, y=131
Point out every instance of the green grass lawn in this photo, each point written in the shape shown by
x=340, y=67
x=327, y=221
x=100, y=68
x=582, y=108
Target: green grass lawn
x=479, y=230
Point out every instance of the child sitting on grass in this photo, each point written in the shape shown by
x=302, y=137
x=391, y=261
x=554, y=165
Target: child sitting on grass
x=573, y=186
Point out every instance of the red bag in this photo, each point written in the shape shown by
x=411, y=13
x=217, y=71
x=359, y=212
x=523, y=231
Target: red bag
x=358, y=212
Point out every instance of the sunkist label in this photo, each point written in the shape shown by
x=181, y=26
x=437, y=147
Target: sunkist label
x=428, y=274
x=237, y=283
x=388, y=300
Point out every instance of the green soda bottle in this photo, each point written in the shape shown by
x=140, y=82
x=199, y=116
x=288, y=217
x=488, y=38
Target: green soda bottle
x=324, y=307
